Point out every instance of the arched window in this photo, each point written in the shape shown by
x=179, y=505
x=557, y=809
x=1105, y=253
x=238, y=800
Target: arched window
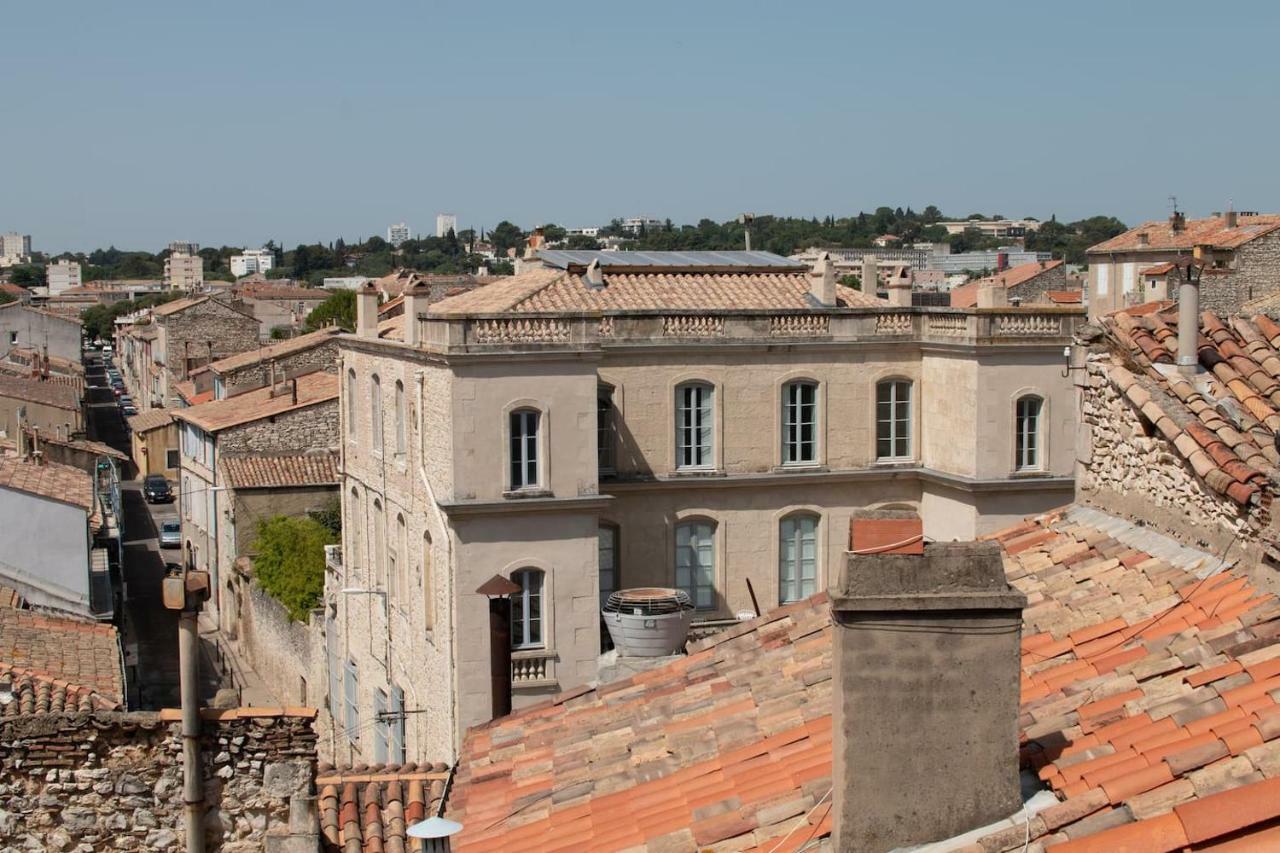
x=395, y=561
x=1027, y=455
x=893, y=419
x=524, y=448
x=375, y=410
x=694, y=425
x=526, y=610
x=800, y=423
x=355, y=523
x=401, y=425
x=379, y=555
x=428, y=590
x=696, y=562
x=797, y=557
x=351, y=404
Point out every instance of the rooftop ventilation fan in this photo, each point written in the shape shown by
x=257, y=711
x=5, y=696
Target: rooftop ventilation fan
x=648, y=622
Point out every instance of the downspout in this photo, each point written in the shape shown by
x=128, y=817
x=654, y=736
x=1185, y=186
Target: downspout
x=192, y=783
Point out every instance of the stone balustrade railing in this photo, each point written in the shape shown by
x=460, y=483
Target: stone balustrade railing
x=946, y=326
x=532, y=667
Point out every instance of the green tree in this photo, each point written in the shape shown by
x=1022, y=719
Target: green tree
x=6, y=298
x=330, y=515
x=28, y=276
x=505, y=236
x=290, y=561
x=339, y=308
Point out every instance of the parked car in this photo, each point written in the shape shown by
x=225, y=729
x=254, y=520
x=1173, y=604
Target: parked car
x=126, y=400
x=129, y=410
x=156, y=490
x=170, y=534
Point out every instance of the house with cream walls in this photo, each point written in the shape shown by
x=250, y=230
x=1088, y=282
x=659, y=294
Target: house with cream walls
x=612, y=420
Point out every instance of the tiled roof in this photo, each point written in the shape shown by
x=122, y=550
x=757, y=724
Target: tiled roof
x=216, y=415
x=48, y=480
x=25, y=355
x=56, y=660
x=1160, y=237
x=1160, y=269
x=86, y=445
x=368, y=809
x=1146, y=691
x=60, y=395
x=560, y=290
x=1226, y=435
x=19, y=305
x=966, y=295
x=15, y=290
x=275, y=350
x=260, y=471
x=150, y=420
x=179, y=305
x=1065, y=297
x=278, y=291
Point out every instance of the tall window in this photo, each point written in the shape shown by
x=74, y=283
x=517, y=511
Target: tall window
x=401, y=426
x=397, y=725
x=396, y=561
x=696, y=562
x=428, y=591
x=351, y=699
x=524, y=448
x=694, y=422
x=381, y=726
x=797, y=558
x=604, y=428
x=799, y=423
x=526, y=610
x=609, y=576
x=355, y=525
x=351, y=404
x=375, y=411
x=1027, y=428
x=379, y=555
x=335, y=669
x=893, y=419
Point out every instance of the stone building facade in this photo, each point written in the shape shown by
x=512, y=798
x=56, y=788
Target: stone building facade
x=26, y=327
x=113, y=781
x=194, y=332
x=430, y=402
x=257, y=368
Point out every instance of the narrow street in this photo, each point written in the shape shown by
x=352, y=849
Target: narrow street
x=149, y=631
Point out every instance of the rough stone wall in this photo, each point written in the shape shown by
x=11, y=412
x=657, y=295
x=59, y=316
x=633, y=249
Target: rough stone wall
x=1255, y=272
x=189, y=333
x=114, y=782
x=323, y=357
x=312, y=428
x=1033, y=292
x=1130, y=469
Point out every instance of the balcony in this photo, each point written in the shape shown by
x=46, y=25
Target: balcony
x=995, y=327
x=533, y=668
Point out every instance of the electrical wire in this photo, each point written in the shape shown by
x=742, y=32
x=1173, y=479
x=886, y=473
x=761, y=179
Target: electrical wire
x=805, y=822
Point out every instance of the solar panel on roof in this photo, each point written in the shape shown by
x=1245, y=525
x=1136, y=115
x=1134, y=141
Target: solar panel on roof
x=563, y=258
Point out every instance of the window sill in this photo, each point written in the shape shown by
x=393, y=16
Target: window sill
x=694, y=473
x=1028, y=474
x=523, y=494
x=895, y=462
x=799, y=467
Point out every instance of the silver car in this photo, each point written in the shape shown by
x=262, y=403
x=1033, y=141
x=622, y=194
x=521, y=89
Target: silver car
x=170, y=534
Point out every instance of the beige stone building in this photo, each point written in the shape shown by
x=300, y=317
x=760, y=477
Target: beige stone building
x=183, y=272
x=191, y=333
x=609, y=420
x=1236, y=257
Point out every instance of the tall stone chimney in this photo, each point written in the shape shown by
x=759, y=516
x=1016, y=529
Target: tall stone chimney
x=993, y=296
x=870, y=275
x=1189, y=322
x=926, y=687
x=822, y=281
x=367, y=311
x=900, y=287
x=415, y=301
x=1229, y=219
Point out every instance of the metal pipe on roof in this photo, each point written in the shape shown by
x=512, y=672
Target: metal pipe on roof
x=192, y=783
x=1189, y=321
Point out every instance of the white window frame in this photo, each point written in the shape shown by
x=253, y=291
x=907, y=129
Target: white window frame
x=607, y=540
x=695, y=424
x=523, y=608
x=381, y=726
x=795, y=420
x=895, y=423
x=1103, y=278
x=1028, y=456
x=792, y=571
x=524, y=469
x=351, y=701
x=402, y=426
x=375, y=411
x=695, y=561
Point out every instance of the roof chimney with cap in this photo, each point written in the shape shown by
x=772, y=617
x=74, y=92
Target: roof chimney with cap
x=900, y=285
x=1229, y=218
x=415, y=302
x=870, y=275
x=822, y=281
x=367, y=311
x=1177, y=221
x=926, y=686
x=1189, y=321
x=593, y=275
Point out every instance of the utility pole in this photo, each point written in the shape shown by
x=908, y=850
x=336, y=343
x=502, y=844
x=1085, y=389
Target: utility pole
x=186, y=591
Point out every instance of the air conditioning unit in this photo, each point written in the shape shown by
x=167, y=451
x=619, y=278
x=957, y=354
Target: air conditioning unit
x=648, y=622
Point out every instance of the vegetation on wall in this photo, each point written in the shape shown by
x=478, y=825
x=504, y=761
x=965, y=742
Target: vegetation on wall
x=289, y=561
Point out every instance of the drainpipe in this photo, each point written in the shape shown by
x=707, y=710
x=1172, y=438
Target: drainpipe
x=192, y=782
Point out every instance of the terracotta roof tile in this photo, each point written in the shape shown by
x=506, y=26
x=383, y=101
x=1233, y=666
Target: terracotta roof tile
x=282, y=470
x=61, y=395
x=1210, y=230
x=280, y=349
x=370, y=808
x=149, y=420
x=966, y=295
x=48, y=480
x=56, y=663
x=214, y=415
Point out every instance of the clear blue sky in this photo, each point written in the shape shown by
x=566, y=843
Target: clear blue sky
x=137, y=123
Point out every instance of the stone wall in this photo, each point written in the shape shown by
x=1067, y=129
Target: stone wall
x=114, y=781
x=322, y=357
x=205, y=331
x=1129, y=469
x=310, y=428
x=1032, y=291
x=1255, y=272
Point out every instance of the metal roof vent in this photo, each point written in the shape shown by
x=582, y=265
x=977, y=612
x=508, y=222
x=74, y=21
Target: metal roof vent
x=648, y=622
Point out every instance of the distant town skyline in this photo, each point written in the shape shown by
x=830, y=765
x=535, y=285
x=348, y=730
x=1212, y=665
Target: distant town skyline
x=580, y=113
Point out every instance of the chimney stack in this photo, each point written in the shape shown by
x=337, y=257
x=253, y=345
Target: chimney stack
x=993, y=296
x=415, y=301
x=367, y=311
x=822, y=281
x=1177, y=221
x=900, y=287
x=1002, y=261
x=1189, y=323
x=870, y=275
x=1229, y=218
x=594, y=275
x=926, y=671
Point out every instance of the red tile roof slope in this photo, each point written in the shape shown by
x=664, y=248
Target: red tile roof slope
x=47, y=392
x=48, y=480
x=214, y=415
x=1144, y=689
x=966, y=295
x=370, y=808
x=276, y=350
x=55, y=663
x=1211, y=230
x=557, y=290
x=280, y=470
x=1228, y=436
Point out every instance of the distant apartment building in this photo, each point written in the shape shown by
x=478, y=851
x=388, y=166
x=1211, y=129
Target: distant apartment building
x=983, y=262
x=636, y=224
x=1234, y=256
x=351, y=282
x=446, y=222
x=281, y=308
x=184, y=272
x=183, y=247
x=1000, y=229
x=61, y=276
x=614, y=420
x=14, y=249
x=397, y=234
x=583, y=232
x=252, y=261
